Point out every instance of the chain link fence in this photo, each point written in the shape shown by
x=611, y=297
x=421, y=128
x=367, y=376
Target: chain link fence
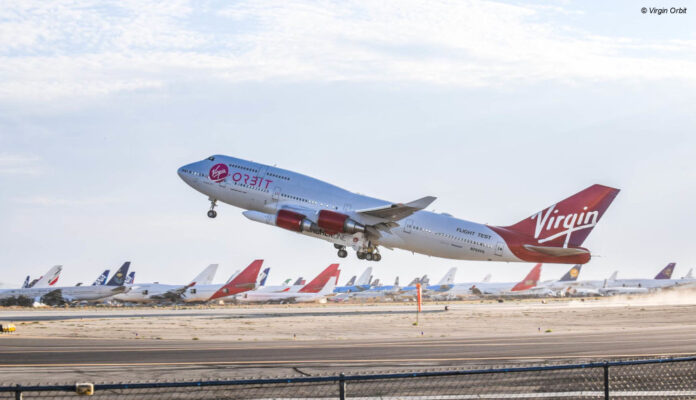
x=673, y=378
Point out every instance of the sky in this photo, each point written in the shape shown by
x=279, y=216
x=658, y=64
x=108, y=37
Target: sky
x=499, y=109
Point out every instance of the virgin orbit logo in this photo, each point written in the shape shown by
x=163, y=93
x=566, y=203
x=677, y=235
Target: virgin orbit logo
x=219, y=172
x=551, y=221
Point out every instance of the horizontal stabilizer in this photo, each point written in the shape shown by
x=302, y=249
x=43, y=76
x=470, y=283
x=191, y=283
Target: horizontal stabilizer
x=556, y=251
x=398, y=211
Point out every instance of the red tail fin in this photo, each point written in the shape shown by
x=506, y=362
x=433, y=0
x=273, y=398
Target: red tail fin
x=244, y=281
x=530, y=280
x=568, y=222
x=318, y=283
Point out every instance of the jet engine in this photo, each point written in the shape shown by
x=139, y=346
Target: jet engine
x=333, y=222
x=293, y=221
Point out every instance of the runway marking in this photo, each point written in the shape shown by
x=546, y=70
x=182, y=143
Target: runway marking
x=82, y=349
x=342, y=361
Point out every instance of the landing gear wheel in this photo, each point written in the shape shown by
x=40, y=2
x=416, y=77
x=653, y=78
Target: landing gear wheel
x=212, y=213
x=368, y=256
x=342, y=253
x=376, y=257
x=339, y=246
x=361, y=255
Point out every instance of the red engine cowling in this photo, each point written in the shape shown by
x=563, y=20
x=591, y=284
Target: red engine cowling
x=293, y=221
x=333, y=222
x=290, y=220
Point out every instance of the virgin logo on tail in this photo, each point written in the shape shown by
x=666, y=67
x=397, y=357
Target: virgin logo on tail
x=551, y=221
x=219, y=172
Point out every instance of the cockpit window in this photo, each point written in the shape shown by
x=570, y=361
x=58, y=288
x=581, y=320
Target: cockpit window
x=211, y=158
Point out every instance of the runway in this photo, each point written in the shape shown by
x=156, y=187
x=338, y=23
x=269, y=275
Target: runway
x=47, y=352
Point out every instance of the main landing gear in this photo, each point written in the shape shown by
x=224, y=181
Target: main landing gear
x=342, y=252
x=369, y=254
x=212, y=213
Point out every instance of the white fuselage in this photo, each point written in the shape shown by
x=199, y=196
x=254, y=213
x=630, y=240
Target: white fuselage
x=266, y=189
x=261, y=297
x=69, y=293
x=146, y=292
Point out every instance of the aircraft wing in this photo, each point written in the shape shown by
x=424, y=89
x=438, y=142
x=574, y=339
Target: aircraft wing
x=397, y=211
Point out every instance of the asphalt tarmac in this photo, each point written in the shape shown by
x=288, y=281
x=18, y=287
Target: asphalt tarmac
x=48, y=352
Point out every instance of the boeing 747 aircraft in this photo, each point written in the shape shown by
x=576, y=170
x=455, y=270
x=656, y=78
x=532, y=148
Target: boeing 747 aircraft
x=306, y=205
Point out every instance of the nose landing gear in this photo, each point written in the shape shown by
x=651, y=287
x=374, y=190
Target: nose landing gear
x=212, y=213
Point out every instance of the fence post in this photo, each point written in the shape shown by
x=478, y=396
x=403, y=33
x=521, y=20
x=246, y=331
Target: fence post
x=606, y=380
x=342, y=386
x=18, y=393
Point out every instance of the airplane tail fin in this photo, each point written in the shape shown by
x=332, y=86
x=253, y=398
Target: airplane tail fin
x=119, y=278
x=130, y=279
x=26, y=283
x=299, y=281
x=448, y=279
x=331, y=284
x=396, y=282
x=101, y=279
x=613, y=276
x=365, y=278
x=690, y=274
x=263, y=276
x=351, y=281
x=244, y=281
x=570, y=221
x=530, y=280
x=486, y=278
x=572, y=274
x=205, y=277
x=424, y=280
x=666, y=272
x=50, y=278
x=233, y=276
x=318, y=283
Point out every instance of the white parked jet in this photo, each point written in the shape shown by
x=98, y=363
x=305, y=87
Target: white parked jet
x=242, y=282
x=48, y=279
x=316, y=290
x=147, y=292
x=318, y=209
x=70, y=294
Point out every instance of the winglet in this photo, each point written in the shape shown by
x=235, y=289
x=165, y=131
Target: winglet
x=422, y=202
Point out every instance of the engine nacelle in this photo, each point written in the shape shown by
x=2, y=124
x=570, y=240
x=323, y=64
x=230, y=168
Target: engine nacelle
x=293, y=221
x=333, y=222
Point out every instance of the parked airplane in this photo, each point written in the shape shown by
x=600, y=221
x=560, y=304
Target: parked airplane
x=445, y=284
x=263, y=276
x=316, y=290
x=50, y=278
x=146, y=292
x=526, y=287
x=309, y=206
x=661, y=280
x=101, y=279
x=130, y=279
x=568, y=280
x=363, y=283
x=68, y=294
x=242, y=282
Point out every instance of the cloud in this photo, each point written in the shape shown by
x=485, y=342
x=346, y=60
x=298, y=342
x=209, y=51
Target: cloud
x=19, y=164
x=50, y=50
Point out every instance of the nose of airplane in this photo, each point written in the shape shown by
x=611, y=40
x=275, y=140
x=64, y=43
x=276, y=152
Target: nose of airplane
x=185, y=172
